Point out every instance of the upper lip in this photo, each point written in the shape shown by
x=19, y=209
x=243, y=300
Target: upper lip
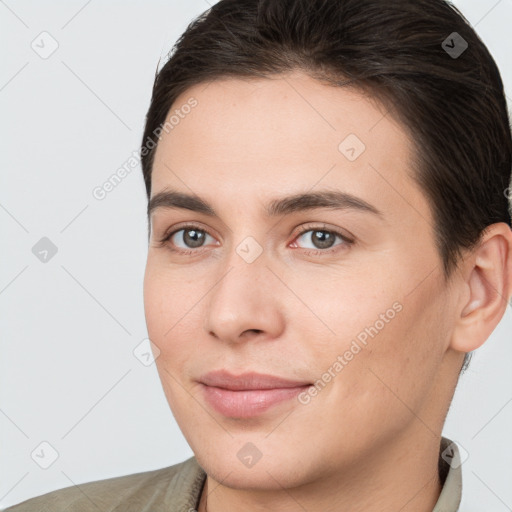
x=247, y=381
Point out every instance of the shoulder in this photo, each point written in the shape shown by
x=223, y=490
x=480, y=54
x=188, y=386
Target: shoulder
x=160, y=489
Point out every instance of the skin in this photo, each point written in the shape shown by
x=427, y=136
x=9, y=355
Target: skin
x=370, y=438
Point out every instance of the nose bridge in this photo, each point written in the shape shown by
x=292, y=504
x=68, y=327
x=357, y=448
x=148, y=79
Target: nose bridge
x=240, y=298
x=245, y=255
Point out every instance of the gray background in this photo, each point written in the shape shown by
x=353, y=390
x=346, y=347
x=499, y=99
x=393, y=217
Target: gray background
x=69, y=326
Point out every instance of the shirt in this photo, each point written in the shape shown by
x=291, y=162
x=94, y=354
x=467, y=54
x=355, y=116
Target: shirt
x=178, y=488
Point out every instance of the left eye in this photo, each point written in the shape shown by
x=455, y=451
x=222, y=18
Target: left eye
x=321, y=238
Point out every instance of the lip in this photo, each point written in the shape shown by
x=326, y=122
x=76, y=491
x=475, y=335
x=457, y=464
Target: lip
x=249, y=394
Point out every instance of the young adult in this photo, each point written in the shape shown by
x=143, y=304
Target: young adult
x=329, y=239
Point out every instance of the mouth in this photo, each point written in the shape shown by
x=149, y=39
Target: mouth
x=249, y=394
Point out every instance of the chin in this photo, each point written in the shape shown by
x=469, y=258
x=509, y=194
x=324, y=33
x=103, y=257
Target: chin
x=264, y=477
x=275, y=469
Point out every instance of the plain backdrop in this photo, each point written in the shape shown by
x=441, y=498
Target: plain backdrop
x=74, y=396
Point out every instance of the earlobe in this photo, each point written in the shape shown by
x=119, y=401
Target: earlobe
x=489, y=282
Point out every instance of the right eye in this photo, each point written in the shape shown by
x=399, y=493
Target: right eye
x=191, y=236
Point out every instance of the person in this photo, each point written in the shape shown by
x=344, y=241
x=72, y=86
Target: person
x=329, y=240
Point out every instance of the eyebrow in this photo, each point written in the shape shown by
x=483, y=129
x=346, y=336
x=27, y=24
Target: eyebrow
x=334, y=200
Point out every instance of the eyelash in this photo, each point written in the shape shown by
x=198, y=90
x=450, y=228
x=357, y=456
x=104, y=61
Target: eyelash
x=346, y=240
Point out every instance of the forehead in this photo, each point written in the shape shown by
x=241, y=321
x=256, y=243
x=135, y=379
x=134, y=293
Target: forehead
x=289, y=132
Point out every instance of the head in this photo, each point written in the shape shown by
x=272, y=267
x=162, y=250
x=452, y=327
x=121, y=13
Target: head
x=327, y=185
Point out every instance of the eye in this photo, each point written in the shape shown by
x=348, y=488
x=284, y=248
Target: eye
x=191, y=237
x=322, y=239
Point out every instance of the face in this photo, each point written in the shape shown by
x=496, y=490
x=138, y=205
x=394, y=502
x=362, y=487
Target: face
x=342, y=296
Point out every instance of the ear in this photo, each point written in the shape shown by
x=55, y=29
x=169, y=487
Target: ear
x=486, y=288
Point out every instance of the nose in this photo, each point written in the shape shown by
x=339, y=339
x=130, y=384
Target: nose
x=245, y=302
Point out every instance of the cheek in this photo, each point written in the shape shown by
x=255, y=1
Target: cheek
x=152, y=290
x=161, y=312
x=346, y=308
x=397, y=366
x=173, y=320
x=164, y=301
x=387, y=341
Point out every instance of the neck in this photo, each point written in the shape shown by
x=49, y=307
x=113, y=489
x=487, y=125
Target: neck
x=402, y=476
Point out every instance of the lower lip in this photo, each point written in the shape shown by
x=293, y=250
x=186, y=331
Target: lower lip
x=247, y=403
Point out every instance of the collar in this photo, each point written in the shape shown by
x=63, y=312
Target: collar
x=451, y=473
